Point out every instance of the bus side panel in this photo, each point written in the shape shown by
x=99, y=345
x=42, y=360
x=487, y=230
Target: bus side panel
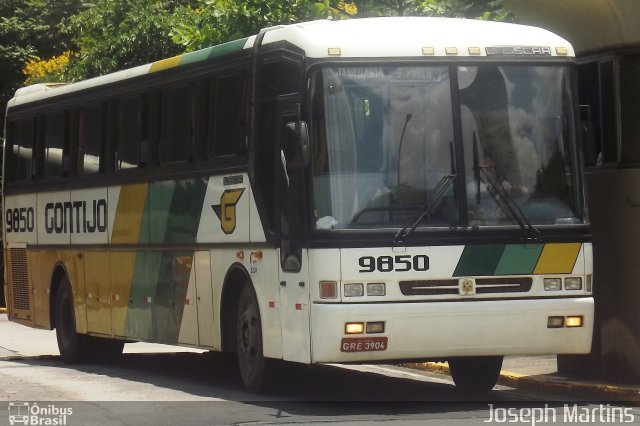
x=98, y=304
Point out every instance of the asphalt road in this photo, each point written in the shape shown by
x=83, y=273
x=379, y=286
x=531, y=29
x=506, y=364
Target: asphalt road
x=201, y=388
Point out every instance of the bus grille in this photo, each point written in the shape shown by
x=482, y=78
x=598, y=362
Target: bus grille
x=19, y=279
x=483, y=286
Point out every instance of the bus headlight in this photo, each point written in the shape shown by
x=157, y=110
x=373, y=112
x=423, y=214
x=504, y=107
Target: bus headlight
x=354, y=328
x=376, y=289
x=552, y=284
x=353, y=290
x=575, y=321
x=573, y=283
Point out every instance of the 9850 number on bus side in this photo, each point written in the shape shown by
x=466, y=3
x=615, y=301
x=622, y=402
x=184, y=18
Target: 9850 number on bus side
x=398, y=263
x=20, y=219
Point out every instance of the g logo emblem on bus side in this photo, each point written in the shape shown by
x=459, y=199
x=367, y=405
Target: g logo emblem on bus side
x=226, y=210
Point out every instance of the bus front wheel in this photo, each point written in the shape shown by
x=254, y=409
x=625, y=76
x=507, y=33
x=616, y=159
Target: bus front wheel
x=476, y=374
x=251, y=362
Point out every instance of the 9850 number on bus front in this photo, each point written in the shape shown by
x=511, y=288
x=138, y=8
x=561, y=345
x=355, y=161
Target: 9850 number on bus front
x=399, y=263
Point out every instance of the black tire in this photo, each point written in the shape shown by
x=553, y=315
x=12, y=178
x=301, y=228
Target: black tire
x=253, y=367
x=79, y=348
x=70, y=343
x=475, y=375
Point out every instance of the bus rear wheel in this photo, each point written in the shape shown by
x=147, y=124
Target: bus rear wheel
x=78, y=348
x=476, y=374
x=251, y=362
x=70, y=343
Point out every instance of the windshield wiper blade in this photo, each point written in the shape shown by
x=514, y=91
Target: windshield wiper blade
x=508, y=204
x=425, y=209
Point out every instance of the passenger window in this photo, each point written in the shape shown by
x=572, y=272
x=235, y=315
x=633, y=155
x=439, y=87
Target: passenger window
x=90, y=137
x=54, y=145
x=129, y=133
x=179, y=125
x=19, y=164
x=229, y=116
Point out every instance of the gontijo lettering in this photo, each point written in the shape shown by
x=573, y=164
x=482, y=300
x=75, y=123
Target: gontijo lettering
x=76, y=217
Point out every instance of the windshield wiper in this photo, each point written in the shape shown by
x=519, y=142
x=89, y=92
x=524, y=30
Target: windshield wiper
x=425, y=209
x=502, y=197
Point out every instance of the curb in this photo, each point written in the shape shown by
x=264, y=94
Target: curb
x=550, y=383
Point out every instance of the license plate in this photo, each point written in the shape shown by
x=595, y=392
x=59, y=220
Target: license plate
x=363, y=344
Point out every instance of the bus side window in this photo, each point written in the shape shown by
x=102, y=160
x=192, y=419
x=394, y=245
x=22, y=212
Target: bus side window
x=129, y=134
x=90, y=138
x=19, y=161
x=55, y=152
x=178, y=133
x=228, y=107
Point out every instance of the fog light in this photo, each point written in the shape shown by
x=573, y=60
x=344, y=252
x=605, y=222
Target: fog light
x=376, y=289
x=354, y=328
x=375, y=327
x=555, y=322
x=573, y=283
x=574, y=321
x=328, y=289
x=552, y=284
x=353, y=290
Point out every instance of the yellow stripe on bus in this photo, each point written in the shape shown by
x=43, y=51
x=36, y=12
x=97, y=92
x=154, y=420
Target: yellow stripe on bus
x=558, y=258
x=126, y=227
x=165, y=64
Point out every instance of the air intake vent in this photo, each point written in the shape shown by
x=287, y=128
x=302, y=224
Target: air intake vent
x=19, y=279
x=429, y=287
x=483, y=286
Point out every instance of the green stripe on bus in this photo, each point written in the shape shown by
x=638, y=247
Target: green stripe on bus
x=519, y=259
x=214, y=51
x=142, y=297
x=479, y=260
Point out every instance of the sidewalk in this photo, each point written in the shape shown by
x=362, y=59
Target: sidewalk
x=18, y=341
x=540, y=374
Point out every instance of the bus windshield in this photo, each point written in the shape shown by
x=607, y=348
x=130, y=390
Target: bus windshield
x=384, y=150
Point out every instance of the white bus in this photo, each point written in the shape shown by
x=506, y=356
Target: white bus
x=385, y=189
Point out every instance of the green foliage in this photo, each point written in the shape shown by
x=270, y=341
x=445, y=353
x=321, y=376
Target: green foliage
x=116, y=34
x=210, y=22
x=29, y=30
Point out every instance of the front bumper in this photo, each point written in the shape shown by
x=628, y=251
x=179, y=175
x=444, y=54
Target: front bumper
x=446, y=329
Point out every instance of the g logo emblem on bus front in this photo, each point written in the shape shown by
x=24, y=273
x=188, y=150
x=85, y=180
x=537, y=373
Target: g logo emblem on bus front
x=226, y=210
x=466, y=287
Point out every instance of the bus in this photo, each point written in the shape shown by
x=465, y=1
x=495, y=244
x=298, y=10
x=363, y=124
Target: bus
x=358, y=191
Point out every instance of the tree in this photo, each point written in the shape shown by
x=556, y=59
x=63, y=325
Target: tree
x=30, y=29
x=116, y=34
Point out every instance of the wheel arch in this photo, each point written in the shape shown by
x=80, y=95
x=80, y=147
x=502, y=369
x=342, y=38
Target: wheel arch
x=234, y=280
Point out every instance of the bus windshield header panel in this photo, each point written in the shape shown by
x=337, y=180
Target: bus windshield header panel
x=385, y=151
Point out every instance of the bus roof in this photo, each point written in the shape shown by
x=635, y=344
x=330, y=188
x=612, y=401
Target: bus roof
x=353, y=38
